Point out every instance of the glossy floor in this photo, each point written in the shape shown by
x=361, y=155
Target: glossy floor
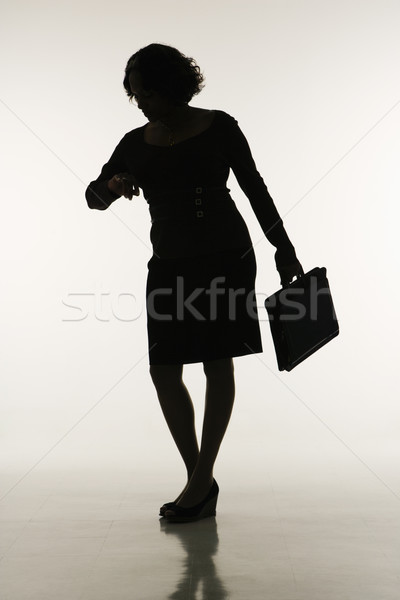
x=96, y=536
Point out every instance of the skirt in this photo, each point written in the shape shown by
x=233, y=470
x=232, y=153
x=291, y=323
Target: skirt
x=202, y=308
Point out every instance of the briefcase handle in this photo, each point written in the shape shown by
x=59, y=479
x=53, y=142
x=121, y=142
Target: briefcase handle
x=297, y=278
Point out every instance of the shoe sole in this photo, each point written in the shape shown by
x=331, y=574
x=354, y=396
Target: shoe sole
x=181, y=519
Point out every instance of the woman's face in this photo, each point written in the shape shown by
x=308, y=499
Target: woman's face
x=152, y=104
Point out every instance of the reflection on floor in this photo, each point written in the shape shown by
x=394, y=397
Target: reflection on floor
x=94, y=536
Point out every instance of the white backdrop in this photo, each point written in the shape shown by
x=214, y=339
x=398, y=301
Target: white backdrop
x=314, y=86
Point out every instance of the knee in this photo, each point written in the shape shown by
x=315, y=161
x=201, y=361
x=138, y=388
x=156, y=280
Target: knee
x=165, y=376
x=215, y=369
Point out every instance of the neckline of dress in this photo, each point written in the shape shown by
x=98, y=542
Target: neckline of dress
x=182, y=141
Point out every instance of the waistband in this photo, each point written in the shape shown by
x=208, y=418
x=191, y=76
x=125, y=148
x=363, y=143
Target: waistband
x=190, y=203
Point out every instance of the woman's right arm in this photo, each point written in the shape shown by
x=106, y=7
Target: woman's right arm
x=112, y=183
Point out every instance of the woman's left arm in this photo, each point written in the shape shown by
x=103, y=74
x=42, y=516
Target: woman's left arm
x=245, y=170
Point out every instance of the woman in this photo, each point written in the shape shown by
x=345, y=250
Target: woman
x=200, y=295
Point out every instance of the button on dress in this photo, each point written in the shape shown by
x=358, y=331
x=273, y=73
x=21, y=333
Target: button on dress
x=200, y=292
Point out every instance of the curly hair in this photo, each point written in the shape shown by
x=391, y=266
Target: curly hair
x=167, y=71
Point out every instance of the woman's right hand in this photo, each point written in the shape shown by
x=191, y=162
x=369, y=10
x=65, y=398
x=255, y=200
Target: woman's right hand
x=123, y=184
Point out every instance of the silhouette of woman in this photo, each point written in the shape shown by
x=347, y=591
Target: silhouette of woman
x=200, y=296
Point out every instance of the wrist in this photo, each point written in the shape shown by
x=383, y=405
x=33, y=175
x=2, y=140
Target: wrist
x=285, y=255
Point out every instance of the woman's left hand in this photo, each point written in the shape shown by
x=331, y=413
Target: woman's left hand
x=288, y=272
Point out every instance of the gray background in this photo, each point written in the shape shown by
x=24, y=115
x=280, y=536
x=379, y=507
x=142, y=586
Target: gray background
x=315, y=88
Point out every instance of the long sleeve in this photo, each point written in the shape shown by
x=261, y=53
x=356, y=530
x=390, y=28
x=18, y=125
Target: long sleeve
x=252, y=184
x=97, y=194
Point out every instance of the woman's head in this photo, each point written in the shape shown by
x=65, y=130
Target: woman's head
x=163, y=70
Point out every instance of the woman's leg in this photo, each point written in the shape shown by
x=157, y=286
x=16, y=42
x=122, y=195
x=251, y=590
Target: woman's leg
x=177, y=407
x=220, y=394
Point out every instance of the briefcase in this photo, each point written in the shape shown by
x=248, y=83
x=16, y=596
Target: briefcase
x=302, y=318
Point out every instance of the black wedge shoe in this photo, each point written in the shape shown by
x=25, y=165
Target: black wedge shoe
x=206, y=508
x=165, y=507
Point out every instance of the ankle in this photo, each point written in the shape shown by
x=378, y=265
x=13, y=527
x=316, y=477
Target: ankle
x=199, y=479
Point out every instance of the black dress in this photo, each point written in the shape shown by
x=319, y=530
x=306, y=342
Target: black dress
x=200, y=296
